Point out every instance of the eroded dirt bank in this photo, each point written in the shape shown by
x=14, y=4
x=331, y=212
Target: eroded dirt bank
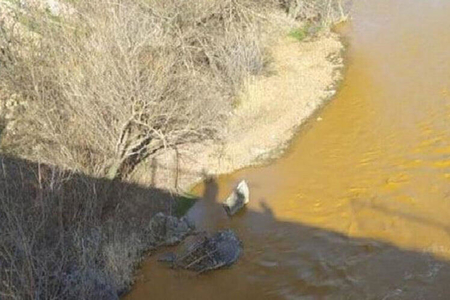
x=299, y=78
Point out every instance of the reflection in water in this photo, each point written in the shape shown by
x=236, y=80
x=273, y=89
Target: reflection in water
x=360, y=206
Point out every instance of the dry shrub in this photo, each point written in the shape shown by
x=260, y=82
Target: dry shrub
x=108, y=83
x=64, y=235
x=115, y=81
x=323, y=12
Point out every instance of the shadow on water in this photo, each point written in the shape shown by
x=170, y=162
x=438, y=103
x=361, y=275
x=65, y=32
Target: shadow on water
x=281, y=260
x=401, y=214
x=286, y=260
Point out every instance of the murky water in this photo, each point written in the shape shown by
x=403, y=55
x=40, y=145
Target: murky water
x=359, y=208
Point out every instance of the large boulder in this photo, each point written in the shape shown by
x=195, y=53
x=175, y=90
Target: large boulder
x=238, y=198
x=204, y=252
x=167, y=230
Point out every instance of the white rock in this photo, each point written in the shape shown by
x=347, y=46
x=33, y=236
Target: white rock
x=238, y=198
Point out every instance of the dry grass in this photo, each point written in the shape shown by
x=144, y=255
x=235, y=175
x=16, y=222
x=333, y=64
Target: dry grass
x=323, y=12
x=68, y=236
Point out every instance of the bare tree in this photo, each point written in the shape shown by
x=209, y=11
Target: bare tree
x=106, y=90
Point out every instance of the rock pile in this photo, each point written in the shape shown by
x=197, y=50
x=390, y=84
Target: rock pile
x=168, y=230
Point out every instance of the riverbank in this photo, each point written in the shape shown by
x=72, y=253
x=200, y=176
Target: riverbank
x=182, y=74
x=300, y=78
x=358, y=208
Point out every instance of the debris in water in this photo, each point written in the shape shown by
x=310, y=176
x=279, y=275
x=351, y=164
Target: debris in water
x=203, y=253
x=238, y=198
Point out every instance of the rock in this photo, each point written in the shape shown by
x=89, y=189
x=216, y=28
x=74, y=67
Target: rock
x=157, y=227
x=190, y=223
x=204, y=253
x=175, y=230
x=228, y=247
x=168, y=230
x=238, y=198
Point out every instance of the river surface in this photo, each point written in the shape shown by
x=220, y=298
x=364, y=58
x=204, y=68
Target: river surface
x=359, y=206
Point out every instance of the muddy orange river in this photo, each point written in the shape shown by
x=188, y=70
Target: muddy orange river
x=359, y=206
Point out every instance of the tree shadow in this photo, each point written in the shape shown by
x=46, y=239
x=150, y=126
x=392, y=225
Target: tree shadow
x=63, y=233
x=136, y=202
x=288, y=260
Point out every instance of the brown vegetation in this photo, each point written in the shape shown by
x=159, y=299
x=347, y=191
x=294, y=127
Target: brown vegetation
x=112, y=82
x=64, y=235
x=105, y=90
x=325, y=12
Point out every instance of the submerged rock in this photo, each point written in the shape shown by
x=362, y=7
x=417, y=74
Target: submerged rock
x=238, y=198
x=204, y=253
x=168, y=230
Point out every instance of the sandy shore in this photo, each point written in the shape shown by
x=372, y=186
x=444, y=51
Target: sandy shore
x=301, y=77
